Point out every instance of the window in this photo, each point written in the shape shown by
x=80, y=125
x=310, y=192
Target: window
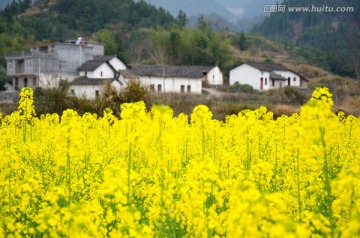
x=101, y=74
x=265, y=81
x=28, y=63
x=182, y=88
x=294, y=79
x=159, y=87
x=10, y=65
x=189, y=88
x=72, y=91
x=61, y=65
x=34, y=81
x=152, y=87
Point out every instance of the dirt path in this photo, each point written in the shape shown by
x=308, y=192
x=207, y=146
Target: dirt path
x=213, y=92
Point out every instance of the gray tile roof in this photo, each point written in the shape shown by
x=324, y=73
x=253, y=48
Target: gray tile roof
x=276, y=76
x=91, y=65
x=90, y=81
x=272, y=66
x=104, y=57
x=171, y=71
x=268, y=66
x=126, y=73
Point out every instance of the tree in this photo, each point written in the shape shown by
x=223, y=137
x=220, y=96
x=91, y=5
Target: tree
x=242, y=42
x=3, y=77
x=182, y=19
x=203, y=25
x=113, y=43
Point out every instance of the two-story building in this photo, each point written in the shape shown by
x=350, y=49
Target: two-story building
x=44, y=65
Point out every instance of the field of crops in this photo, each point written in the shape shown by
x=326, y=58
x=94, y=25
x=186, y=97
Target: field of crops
x=150, y=174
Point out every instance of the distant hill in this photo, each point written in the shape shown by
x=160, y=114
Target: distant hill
x=58, y=20
x=335, y=33
x=231, y=10
x=142, y=33
x=237, y=15
x=3, y=3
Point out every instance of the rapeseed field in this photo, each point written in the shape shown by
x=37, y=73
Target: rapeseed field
x=150, y=174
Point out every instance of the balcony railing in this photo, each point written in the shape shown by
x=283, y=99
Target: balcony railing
x=28, y=54
x=18, y=54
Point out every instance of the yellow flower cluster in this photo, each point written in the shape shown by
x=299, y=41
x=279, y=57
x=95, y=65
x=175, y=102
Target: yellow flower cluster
x=150, y=174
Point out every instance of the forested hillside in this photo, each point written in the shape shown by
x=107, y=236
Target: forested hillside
x=134, y=30
x=334, y=32
x=142, y=34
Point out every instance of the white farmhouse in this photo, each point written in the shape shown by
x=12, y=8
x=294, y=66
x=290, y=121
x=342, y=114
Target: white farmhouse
x=266, y=76
x=176, y=79
x=94, y=74
x=214, y=76
x=113, y=60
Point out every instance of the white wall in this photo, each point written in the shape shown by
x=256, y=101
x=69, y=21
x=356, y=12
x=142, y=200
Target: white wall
x=173, y=85
x=246, y=74
x=106, y=70
x=117, y=64
x=89, y=91
x=294, y=78
x=215, y=76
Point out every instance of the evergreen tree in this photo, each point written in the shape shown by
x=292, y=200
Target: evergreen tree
x=182, y=19
x=242, y=42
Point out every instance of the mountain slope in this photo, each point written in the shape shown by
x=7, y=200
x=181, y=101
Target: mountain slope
x=231, y=10
x=191, y=7
x=63, y=19
x=331, y=32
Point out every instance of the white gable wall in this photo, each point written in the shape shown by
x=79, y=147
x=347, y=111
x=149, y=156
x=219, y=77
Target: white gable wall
x=215, y=76
x=117, y=64
x=246, y=74
x=103, y=71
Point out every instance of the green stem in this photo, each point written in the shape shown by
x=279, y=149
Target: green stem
x=328, y=196
x=129, y=172
x=298, y=183
x=68, y=171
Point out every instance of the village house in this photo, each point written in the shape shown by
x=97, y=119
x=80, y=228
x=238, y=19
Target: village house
x=177, y=79
x=44, y=65
x=266, y=76
x=86, y=68
x=94, y=74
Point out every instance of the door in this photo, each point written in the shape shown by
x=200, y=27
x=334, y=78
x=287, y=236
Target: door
x=261, y=83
